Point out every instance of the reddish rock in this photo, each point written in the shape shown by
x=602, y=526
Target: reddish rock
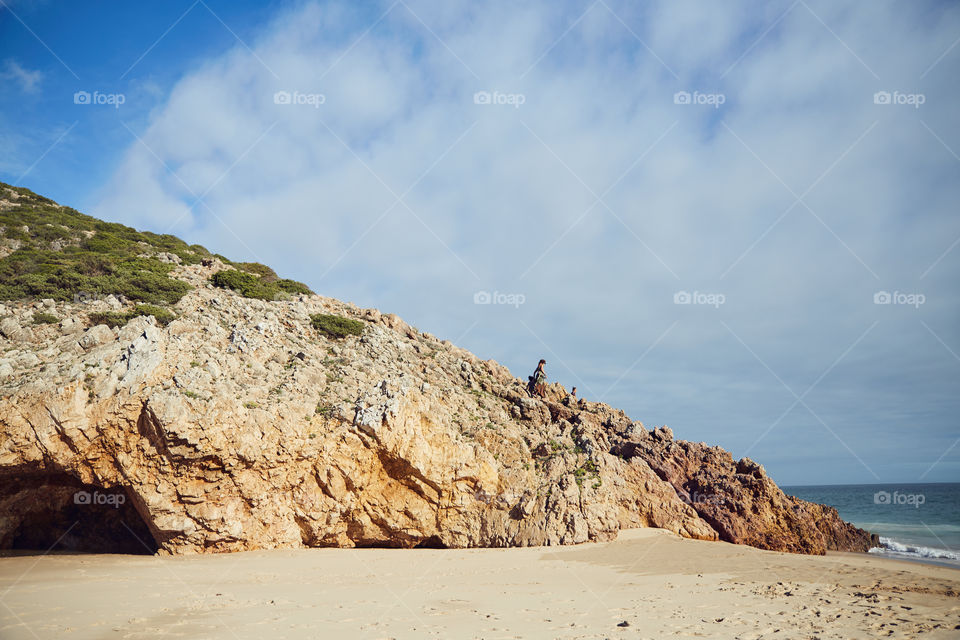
x=740, y=501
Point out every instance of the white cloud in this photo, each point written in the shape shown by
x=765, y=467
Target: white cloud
x=306, y=190
x=29, y=81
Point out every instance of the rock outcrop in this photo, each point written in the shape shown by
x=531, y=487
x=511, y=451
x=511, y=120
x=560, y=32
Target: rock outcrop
x=739, y=501
x=238, y=426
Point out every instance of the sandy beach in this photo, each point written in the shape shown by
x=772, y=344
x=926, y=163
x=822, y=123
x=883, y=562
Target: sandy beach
x=647, y=584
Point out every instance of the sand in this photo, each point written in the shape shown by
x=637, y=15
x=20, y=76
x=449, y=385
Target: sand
x=649, y=581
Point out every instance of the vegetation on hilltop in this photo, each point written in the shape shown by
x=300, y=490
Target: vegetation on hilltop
x=57, y=252
x=264, y=287
x=51, y=251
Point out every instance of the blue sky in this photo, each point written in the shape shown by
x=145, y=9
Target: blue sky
x=692, y=211
x=42, y=38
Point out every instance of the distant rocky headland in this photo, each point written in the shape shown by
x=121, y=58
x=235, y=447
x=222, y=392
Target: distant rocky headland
x=155, y=397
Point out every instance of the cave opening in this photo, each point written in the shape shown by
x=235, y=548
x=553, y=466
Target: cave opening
x=433, y=542
x=57, y=513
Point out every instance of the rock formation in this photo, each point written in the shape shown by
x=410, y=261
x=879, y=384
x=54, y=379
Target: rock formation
x=239, y=426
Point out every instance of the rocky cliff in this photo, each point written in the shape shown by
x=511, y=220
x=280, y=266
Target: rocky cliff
x=238, y=425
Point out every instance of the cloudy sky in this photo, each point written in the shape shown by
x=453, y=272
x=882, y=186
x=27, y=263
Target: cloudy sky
x=738, y=219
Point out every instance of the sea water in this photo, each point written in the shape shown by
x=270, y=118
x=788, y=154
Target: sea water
x=914, y=521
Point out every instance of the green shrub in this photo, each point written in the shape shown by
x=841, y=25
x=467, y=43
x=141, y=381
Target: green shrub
x=246, y=284
x=45, y=318
x=250, y=285
x=336, y=326
x=163, y=316
x=118, y=319
x=94, y=257
x=109, y=318
x=265, y=273
x=293, y=287
x=99, y=258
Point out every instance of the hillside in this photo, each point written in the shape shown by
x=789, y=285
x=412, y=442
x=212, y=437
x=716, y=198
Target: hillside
x=54, y=252
x=156, y=397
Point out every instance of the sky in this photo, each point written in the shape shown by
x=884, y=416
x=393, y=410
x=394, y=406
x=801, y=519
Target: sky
x=737, y=219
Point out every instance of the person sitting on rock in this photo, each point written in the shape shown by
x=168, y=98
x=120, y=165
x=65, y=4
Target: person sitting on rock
x=538, y=381
x=571, y=398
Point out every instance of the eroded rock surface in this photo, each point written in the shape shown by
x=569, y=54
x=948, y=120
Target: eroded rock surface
x=238, y=426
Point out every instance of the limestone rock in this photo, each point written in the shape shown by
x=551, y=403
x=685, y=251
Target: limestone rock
x=70, y=325
x=96, y=336
x=238, y=426
x=9, y=327
x=169, y=258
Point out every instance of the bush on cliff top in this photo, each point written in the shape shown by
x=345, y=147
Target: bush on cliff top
x=336, y=326
x=57, y=252
x=266, y=273
x=263, y=287
x=60, y=253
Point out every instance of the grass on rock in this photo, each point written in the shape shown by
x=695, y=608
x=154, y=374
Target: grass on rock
x=120, y=318
x=45, y=318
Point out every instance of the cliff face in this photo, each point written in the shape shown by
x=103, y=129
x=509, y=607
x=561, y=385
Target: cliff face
x=238, y=426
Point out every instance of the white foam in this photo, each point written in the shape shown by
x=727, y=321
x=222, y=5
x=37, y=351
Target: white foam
x=890, y=546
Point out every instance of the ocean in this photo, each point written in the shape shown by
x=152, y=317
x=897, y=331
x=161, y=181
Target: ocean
x=914, y=521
